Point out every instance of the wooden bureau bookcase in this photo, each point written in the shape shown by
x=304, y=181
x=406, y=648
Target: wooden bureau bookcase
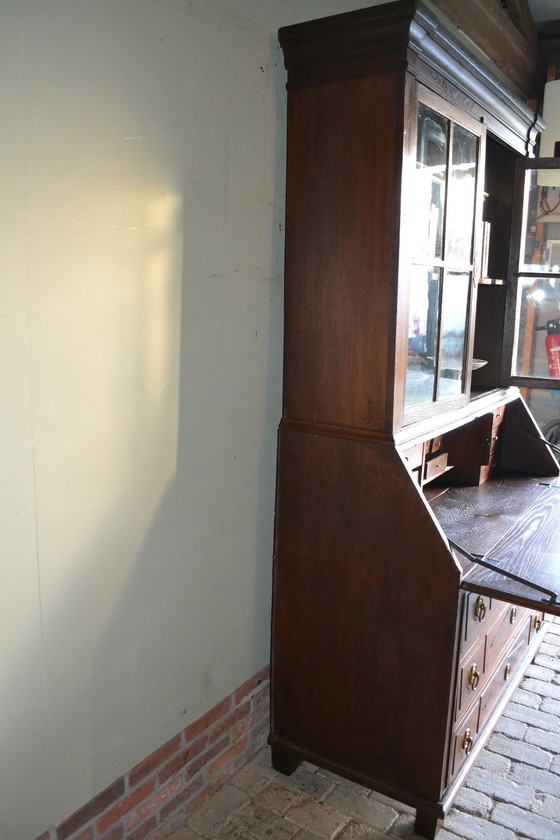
x=393, y=650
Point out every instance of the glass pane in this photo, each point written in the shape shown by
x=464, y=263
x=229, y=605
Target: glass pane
x=429, y=195
x=540, y=236
x=538, y=332
x=422, y=335
x=454, y=307
x=461, y=198
x=545, y=408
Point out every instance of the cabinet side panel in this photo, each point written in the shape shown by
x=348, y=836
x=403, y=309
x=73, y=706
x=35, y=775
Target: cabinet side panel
x=365, y=614
x=343, y=193
x=522, y=446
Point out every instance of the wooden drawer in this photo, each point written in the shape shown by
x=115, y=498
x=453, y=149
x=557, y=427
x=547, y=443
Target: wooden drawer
x=495, y=436
x=509, y=622
x=503, y=672
x=497, y=421
x=489, y=629
x=471, y=677
x=434, y=445
x=414, y=456
x=480, y=612
x=495, y=642
x=414, y=459
x=435, y=466
x=537, y=623
x=463, y=739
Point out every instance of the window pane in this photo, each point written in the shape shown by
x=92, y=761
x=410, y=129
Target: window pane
x=429, y=197
x=454, y=309
x=422, y=335
x=461, y=198
x=540, y=236
x=538, y=331
x=545, y=408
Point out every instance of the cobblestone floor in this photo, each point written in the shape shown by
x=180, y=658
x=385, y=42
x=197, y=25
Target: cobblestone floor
x=512, y=793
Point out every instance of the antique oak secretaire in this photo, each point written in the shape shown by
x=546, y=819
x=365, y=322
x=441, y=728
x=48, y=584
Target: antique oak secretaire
x=417, y=511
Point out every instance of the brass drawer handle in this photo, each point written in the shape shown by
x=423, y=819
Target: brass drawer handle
x=467, y=742
x=507, y=672
x=480, y=608
x=474, y=677
x=513, y=615
x=537, y=623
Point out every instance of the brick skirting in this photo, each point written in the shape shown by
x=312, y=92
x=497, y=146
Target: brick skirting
x=152, y=799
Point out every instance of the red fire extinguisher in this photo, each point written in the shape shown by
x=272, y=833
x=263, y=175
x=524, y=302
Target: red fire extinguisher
x=552, y=343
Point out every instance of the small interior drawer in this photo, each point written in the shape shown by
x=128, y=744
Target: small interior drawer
x=414, y=456
x=435, y=466
x=434, y=445
x=498, y=418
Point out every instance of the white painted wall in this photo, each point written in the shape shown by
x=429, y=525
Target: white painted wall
x=141, y=207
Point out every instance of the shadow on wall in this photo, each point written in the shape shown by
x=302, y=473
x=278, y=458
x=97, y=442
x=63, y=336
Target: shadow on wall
x=192, y=619
x=167, y=610
x=153, y=260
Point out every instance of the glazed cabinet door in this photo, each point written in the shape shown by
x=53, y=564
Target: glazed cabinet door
x=532, y=335
x=440, y=249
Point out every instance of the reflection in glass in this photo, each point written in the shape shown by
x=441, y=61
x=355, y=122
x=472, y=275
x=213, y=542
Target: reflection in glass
x=461, y=198
x=422, y=335
x=538, y=332
x=545, y=407
x=454, y=307
x=431, y=170
x=541, y=222
x=444, y=212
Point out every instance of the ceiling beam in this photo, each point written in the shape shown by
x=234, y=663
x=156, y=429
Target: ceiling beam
x=494, y=32
x=520, y=14
x=549, y=40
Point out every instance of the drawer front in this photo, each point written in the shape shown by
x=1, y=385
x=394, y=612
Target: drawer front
x=480, y=613
x=496, y=423
x=414, y=459
x=504, y=671
x=494, y=439
x=495, y=637
x=510, y=621
x=434, y=445
x=537, y=623
x=471, y=678
x=490, y=627
x=435, y=466
x=414, y=456
x=464, y=739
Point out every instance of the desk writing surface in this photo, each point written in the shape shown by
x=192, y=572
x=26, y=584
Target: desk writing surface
x=515, y=524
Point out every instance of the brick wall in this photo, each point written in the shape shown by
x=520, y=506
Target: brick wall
x=151, y=800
